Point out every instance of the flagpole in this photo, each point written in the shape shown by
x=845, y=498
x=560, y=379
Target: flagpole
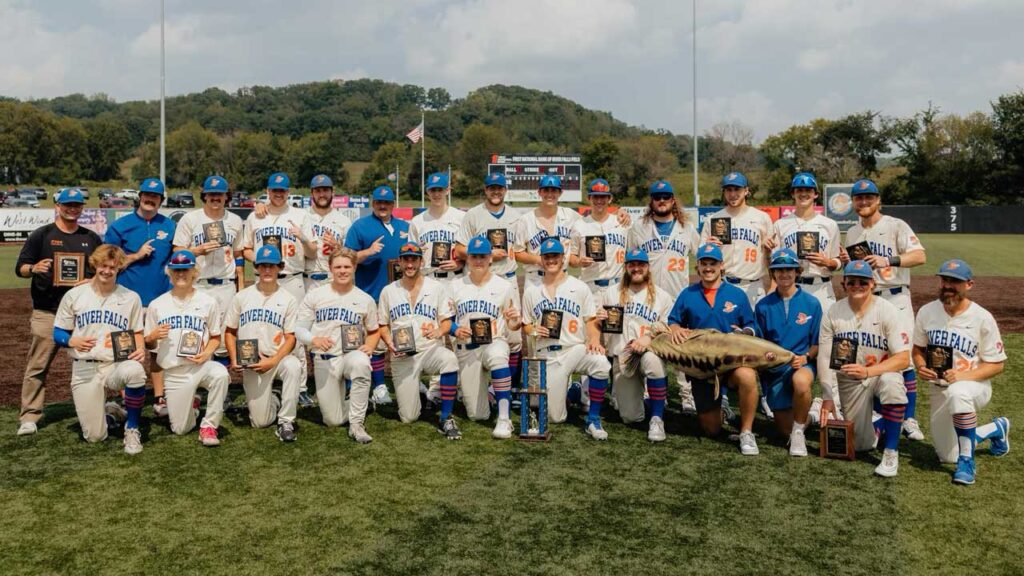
x=398, y=185
x=423, y=160
x=449, y=184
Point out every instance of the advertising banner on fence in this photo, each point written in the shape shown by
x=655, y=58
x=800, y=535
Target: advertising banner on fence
x=17, y=224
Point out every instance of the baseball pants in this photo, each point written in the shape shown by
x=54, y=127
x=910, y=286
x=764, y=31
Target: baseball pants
x=406, y=371
x=902, y=302
x=180, y=385
x=515, y=337
x=754, y=289
x=311, y=284
x=475, y=374
x=264, y=407
x=560, y=366
x=958, y=398
x=223, y=294
x=296, y=287
x=41, y=353
x=331, y=373
x=629, y=389
x=823, y=291
x=89, y=380
x=856, y=399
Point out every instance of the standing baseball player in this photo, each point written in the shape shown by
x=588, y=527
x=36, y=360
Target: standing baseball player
x=790, y=317
x=486, y=312
x=600, y=227
x=813, y=237
x=424, y=306
x=338, y=322
x=669, y=240
x=549, y=220
x=957, y=347
x=868, y=330
x=261, y=322
x=439, y=224
x=893, y=249
x=184, y=327
x=712, y=303
x=560, y=312
x=87, y=318
x=642, y=304
x=329, y=229
x=36, y=261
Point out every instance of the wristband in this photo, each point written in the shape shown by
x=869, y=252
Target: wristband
x=894, y=261
x=239, y=261
x=454, y=327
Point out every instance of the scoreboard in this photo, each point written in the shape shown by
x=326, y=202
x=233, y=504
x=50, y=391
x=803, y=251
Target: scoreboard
x=524, y=171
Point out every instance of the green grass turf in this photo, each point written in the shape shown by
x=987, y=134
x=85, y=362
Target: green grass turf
x=412, y=503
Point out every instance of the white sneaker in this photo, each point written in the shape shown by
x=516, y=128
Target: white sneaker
x=797, y=443
x=27, y=429
x=814, y=413
x=358, y=433
x=656, y=430
x=596, y=432
x=912, y=430
x=890, y=464
x=116, y=411
x=132, y=441
x=503, y=429
x=689, y=406
x=381, y=396
x=748, y=445
x=766, y=410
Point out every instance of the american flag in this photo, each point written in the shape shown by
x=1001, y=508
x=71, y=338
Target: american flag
x=416, y=133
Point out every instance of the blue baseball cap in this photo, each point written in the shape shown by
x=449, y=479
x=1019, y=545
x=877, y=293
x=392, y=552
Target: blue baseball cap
x=410, y=249
x=215, y=184
x=637, y=255
x=496, y=179
x=383, y=194
x=863, y=186
x=479, y=246
x=550, y=182
x=268, y=255
x=599, y=187
x=152, y=185
x=278, y=181
x=661, y=187
x=956, y=269
x=321, y=181
x=858, y=269
x=437, y=180
x=709, y=251
x=804, y=180
x=551, y=246
x=784, y=258
x=69, y=196
x=734, y=179
x=182, y=260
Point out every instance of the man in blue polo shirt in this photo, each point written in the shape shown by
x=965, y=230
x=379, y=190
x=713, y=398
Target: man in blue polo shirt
x=377, y=238
x=712, y=303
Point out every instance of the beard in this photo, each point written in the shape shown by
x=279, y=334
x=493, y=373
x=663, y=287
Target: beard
x=640, y=278
x=950, y=297
x=323, y=202
x=662, y=212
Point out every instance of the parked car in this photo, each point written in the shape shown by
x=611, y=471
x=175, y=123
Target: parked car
x=26, y=198
x=116, y=202
x=128, y=193
x=241, y=200
x=41, y=193
x=263, y=199
x=104, y=193
x=181, y=201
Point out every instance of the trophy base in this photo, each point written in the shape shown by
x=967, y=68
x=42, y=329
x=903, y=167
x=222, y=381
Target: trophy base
x=535, y=437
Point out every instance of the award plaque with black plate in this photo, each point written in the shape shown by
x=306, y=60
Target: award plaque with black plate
x=214, y=232
x=613, y=323
x=404, y=340
x=440, y=253
x=480, y=331
x=552, y=320
x=594, y=248
x=807, y=243
x=190, y=343
x=721, y=228
x=939, y=358
x=123, y=344
x=247, y=351
x=68, y=268
x=394, y=269
x=844, y=351
x=859, y=251
x=498, y=237
x=352, y=337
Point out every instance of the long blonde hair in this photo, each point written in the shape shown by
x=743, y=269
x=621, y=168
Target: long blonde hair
x=624, y=288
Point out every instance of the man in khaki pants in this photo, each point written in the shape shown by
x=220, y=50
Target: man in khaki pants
x=49, y=285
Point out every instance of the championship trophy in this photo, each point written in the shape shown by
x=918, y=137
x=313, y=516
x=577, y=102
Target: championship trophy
x=533, y=426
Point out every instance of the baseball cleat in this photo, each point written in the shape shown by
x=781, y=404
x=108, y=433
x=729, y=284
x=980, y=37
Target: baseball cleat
x=797, y=443
x=889, y=465
x=727, y=414
x=964, y=471
x=208, y=436
x=912, y=430
x=160, y=407
x=814, y=413
x=748, y=444
x=596, y=431
x=132, y=441
x=115, y=411
x=358, y=433
x=1001, y=446
x=381, y=396
x=450, y=429
x=656, y=430
x=503, y=429
x=765, y=409
x=285, y=432
x=27, y=429
x=688, y=406
x=305, y=400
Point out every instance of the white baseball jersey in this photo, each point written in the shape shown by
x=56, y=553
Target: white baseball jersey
x=264, y=318
x=218, y=264
x=530, y=234
x=328, y=310
x=430, y=229
x=669, y=255
x=973, y=334
x=198, y=314
x=614, y=247
x=478, y=220
x=573, y=298
x=638, y=314
x=433, y=305
x=879, y=333
x=87, y=314
x=334, y=223
x=888, y=237
x=487, y=301
x=743, y=258
x=785, y=233
x=292, y=250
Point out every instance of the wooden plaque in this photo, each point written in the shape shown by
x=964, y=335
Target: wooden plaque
x=837, y=440
x=613, y=324
x=859, y=251
x=721, y=228
x=123, y=344
x=939, y=358
x=394, y=269
x=498, y=237
x=68, y=268
x=552, y=320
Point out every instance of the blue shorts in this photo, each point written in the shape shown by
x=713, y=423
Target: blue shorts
x=778, y=387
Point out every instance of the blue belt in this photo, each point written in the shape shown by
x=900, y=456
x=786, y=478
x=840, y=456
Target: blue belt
x=282, y=275
x=315, y=276
x=892, y=291
x=538, y=272
x=440, y=274
x=467, y=346
x=606, y=283
x=813, y=280
x=213, y=281
x=511, y=274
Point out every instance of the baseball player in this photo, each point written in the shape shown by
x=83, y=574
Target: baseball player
x=329, y=229
x=261, y=322
x=643, y=303
x=87, y=318
x=184, y=327
x=423, y=305
x=549, y=220
x=439, y=224
x=957, y=347
x=893, y=249
x=790, y=317
x=338, y=322
x=600, y=224
x=36, y=261
x=869, y=330
x=575, y=345
x=812, y=236
x=712, y=303
x=669, y=240
x=486, y=311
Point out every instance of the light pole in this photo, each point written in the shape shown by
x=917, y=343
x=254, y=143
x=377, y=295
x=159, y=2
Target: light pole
x=696, y=158
x=163, y=120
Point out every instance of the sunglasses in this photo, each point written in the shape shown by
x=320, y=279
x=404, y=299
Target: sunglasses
x=662, y=197
x=857, y=282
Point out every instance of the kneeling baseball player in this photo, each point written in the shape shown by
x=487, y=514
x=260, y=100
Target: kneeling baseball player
x=90, y=318
x=184, y=327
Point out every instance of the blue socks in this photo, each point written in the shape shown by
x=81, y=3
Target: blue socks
x=657, y=391
x=134, y=398
x=449, y=390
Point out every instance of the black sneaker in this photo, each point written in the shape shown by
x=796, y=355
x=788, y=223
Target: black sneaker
x=286, y=432
x=305, y=400
x=450, y=429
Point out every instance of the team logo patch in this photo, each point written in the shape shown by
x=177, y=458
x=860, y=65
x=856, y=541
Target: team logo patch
x=728, y=307
x=279, y=179
x=660, y=185
x=403, y=234
x=802, y=319
x=863, y=184
x=477, y=243
x=214, y=182
x=161, y=235
x=858, y=265
x=153, y=184
x=732, y=177
x=266, y=251
x=708, y=249
x=434, y=178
